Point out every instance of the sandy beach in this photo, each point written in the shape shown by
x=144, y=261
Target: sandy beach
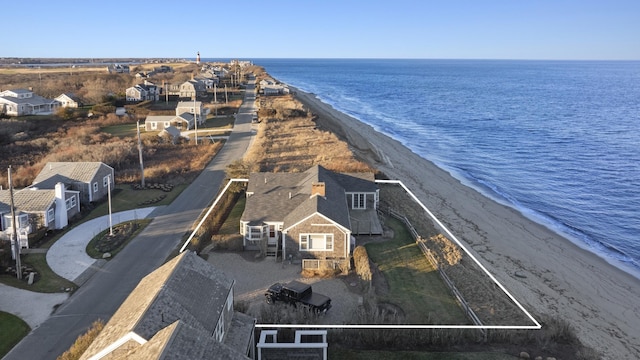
x=557, y=278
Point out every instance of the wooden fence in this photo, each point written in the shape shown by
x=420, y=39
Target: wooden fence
x=429, y=255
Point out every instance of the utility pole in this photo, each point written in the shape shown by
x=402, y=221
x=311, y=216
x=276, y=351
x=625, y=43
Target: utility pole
x=109, y=193
x=226, y=99
x=215, y=97
x=15, y=244
x=140, y=153
x=195, y=118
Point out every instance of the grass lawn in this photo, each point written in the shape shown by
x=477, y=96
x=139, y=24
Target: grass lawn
x=341, y=353
x=126, y=198
x=12, y=330
x=121, y=130
x=414, y=284
x=232, y=223
x=49, y=282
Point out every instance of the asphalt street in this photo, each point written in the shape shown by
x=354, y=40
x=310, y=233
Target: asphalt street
x=103, y=293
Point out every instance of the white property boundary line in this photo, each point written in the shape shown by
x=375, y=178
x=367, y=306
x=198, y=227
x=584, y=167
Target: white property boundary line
x=537, y=325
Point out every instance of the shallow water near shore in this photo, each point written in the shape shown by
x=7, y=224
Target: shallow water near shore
x=557, y=140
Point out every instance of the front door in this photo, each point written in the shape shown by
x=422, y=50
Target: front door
x=272, y=236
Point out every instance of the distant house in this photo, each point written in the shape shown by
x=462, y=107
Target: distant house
x=69, y=100
x=118, y=69
x=270, y=87
x=37, y=209
x=309, y=215
x=20, y=102
x=171, y=132
x=143, y=92
x=184, y=118
x=90, y=179
x=182, y=310
x=192, y=89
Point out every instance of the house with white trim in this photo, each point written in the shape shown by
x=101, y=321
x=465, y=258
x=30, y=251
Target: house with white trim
x=182, y=310
x=309, y=215
x=187, y=113
x=69, y=100
x=20, y=102
x=143, y=92
x=91, y=179
x=36, y=209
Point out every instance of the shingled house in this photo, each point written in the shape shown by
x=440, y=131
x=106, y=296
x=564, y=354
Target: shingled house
x=90, y=179
x=182, y=310
x=310, y=215
x=37, y=209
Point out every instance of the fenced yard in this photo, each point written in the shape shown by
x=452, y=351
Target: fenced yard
x=412, y=282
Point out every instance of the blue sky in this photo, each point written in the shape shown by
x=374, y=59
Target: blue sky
x=445, y=29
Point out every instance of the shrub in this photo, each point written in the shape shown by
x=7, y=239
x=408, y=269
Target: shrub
x=82, y=342
x=361, y=261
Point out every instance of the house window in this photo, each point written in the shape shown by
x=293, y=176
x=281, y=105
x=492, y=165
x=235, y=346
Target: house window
x=254, y=232
x=359, y=201
x=154, y=125
x=71, y=202
x=316, y=242
x=167, y=124
x=230, y=300
x=95, y=187
x=105, y=181
x=50, y=215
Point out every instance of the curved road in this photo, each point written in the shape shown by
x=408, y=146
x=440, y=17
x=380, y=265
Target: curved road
x=101, y=296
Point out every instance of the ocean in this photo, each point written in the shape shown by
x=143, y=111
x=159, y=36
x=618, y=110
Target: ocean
x=557, y=140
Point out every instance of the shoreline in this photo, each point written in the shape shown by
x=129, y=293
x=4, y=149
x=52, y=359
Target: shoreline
x=562, y=278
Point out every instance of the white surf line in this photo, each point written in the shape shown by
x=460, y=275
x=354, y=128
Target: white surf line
x=446, y=230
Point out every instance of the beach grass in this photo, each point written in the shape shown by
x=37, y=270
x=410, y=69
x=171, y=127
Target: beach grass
x=414, y=284
x=12, y=329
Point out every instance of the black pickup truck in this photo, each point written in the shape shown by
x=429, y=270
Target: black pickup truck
x=295, y=293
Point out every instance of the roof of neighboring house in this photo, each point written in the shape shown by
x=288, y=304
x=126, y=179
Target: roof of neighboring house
x=186, y=290
x=287, y=196
x=171, y=130
x=33, y=100
x=65, y=172
x=69, y=96
x=159, y=118
x=27, y=200
x=17, y=91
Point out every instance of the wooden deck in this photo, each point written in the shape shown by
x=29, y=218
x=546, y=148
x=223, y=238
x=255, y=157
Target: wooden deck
x=365, y=222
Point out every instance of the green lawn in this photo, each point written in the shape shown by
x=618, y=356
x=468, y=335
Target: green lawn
x=12, y=330
x=49, y=281
x=121, y=130
x=232, y=223
x=126, y=198
x=414, y=284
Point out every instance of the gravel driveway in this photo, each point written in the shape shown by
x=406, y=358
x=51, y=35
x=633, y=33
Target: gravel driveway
x=254, y=276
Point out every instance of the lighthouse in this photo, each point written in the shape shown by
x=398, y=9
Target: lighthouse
x=198, y=58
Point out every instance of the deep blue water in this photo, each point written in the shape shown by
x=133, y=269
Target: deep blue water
x=557, y=140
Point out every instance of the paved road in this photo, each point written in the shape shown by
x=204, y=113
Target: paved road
x=100, y=297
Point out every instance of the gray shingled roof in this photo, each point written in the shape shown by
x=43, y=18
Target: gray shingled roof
x=66, y=172
x=180, y=341
x=187, y=288
x=287, y=196
x=27, y=200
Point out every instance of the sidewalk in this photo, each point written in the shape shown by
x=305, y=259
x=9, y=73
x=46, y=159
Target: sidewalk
x=67, y=258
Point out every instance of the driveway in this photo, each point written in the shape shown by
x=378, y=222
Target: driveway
x=254, y=276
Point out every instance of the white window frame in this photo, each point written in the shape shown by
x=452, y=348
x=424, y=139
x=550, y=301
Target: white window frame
x=105, y=181
x=71, y=202
x=95, y=187
x=51, y=215
x=251, y=231
x=326, y=239
x=359, y=201
x=154, y=125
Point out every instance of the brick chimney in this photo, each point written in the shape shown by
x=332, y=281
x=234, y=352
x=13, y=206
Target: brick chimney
x=318, y=188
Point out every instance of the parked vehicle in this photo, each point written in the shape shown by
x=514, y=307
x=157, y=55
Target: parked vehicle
x=295, y=293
